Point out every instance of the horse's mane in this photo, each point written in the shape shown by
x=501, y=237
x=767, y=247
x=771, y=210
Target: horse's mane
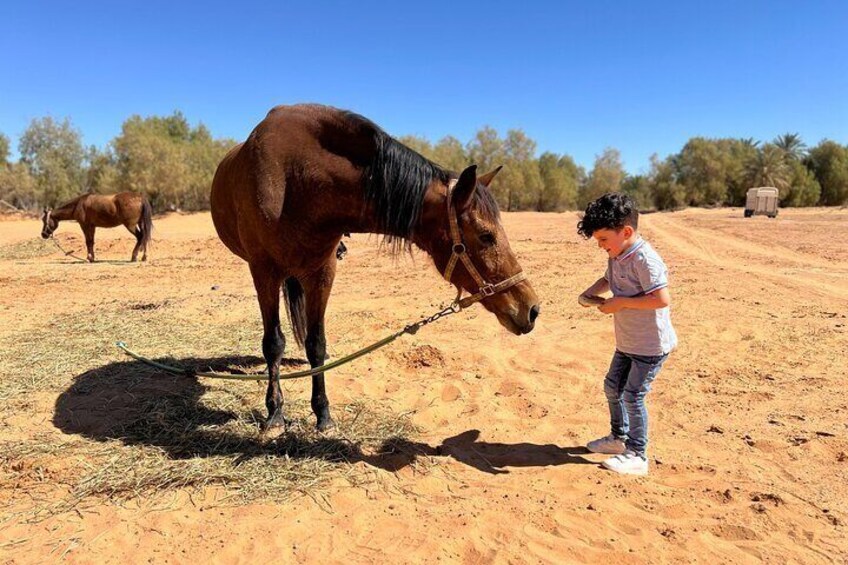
x=396, y=180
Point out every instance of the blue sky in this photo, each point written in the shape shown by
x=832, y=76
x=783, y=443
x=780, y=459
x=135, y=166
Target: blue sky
x=576, y=77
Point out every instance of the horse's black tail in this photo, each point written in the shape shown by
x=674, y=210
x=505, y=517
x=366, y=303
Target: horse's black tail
x=145, y=223
x=295, y=308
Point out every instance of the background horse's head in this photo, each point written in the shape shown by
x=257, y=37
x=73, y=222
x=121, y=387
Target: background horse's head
x=48, y=224
x=485, y=244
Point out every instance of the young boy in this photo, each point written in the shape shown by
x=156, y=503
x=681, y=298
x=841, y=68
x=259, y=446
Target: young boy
x=644, y=336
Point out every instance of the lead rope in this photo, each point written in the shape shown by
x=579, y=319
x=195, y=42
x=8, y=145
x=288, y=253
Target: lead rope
x=67, y=253
x=411, y=329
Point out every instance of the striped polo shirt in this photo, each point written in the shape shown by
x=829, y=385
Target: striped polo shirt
x=637, y=271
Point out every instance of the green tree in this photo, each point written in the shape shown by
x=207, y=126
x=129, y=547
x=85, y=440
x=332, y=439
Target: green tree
x=450, y=154
x=17, y=187
x=577, y=176
x=418, y=144
x=559, y=183
x=803, y=189
x=519, y=182
x=737, y=155
x=606, y=176
x=666, y=192
x=791, y=145
x=486, y=149
x=168, y=160
x=638, y=187
x=54, y=155
x=829, y=162
x=101, y=174
x=4, y=150
x=702, y=171
x=770, y=168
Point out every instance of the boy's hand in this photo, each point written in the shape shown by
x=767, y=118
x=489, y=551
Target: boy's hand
x=586, y=300
x=612, y=305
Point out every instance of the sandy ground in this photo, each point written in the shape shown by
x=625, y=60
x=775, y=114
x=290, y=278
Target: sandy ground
x=749, y=456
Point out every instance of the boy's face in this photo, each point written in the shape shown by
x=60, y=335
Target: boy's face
x=614, y=241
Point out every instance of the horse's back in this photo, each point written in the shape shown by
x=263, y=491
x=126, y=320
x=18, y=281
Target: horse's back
x=284, y=180
x=109, y=210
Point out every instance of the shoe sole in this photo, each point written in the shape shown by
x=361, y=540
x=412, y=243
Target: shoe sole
x=624, y=472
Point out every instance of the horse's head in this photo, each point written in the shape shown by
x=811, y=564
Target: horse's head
x=49, y=224
x=494, y=273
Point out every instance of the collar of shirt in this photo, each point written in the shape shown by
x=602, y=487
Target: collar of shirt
x=630, y=250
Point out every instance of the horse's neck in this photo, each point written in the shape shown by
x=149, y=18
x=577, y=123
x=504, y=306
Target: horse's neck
x=65, y=211
x=349, y=211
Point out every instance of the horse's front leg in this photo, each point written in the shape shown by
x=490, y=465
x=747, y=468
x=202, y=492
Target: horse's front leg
x=267, y=281
x=317, y=292
x=88, y=232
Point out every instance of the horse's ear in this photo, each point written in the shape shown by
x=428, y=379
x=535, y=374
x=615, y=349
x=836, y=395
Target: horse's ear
x=463, y=192
x=487, y=179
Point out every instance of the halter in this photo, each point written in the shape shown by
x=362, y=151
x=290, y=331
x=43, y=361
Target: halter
x=459, y=252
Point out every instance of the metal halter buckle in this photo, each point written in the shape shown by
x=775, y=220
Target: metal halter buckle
x=459, y=248
x=487, y=290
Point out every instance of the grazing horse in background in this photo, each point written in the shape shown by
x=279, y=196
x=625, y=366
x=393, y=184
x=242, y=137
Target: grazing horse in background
x=130, y=209
x=308, y=174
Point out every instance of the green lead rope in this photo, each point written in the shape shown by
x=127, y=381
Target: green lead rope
x=411, y=329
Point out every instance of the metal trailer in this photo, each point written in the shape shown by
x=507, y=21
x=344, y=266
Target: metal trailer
x=761, y=201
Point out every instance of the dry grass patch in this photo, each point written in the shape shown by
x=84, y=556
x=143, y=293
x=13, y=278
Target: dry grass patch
x=137, y=432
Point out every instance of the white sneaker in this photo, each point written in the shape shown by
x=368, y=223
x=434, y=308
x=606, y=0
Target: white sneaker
x=627, y=463
x=609, y=445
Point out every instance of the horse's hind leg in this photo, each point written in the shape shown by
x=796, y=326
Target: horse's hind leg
x=138, y=236
x=88, y=232
x=317, y=289
x=267, y=280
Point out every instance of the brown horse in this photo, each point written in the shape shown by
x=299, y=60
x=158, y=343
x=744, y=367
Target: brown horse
x=308, y=174
x=130, y=209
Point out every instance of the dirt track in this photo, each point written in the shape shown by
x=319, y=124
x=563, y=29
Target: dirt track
x=749, y=417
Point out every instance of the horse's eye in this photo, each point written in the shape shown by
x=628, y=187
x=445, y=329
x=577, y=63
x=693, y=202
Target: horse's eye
x=487, y=238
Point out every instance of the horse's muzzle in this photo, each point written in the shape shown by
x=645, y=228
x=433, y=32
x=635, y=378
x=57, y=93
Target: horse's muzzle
x=531, y=318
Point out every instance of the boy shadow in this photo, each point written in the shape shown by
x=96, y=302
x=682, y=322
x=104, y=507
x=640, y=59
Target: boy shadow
x=135, y=404
x=489, y=457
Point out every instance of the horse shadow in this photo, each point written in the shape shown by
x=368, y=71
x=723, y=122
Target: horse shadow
x=137, y=405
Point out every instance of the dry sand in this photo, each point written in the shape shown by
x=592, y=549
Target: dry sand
x=748, y=453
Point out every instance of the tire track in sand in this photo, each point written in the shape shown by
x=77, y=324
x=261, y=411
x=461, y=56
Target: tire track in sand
x=722, y=250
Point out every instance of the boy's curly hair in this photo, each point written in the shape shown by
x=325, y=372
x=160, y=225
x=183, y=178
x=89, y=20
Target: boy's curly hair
x=613, y=211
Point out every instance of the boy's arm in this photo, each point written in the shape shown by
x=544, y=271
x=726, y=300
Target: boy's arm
x=600, y=286
x=660, y=298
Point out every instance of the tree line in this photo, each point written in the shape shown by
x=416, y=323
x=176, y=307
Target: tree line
x=173, y=164
x=163, y=157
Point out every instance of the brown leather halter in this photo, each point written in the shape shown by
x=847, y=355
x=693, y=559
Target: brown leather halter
x=459, y=252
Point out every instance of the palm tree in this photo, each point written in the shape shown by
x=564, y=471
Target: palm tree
x=791, y=145
x=749, y=141
x=769, y=168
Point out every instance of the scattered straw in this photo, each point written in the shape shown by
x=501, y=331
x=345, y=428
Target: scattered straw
x=139, y=433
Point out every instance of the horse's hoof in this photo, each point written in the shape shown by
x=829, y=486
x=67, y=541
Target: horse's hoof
x=326, y=426
x=270, y=433
x=274, y=427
